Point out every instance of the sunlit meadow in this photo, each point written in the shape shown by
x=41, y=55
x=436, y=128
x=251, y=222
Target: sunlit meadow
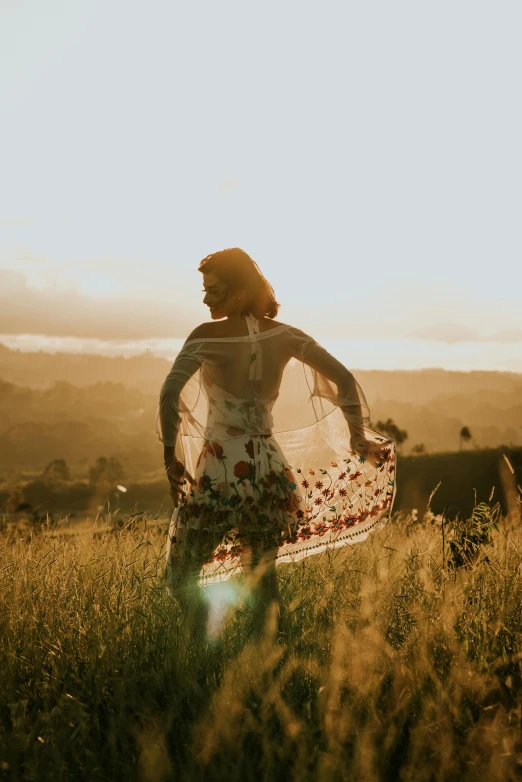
x=398, y=658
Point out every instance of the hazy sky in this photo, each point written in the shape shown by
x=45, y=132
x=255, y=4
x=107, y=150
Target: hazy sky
x=366, y=154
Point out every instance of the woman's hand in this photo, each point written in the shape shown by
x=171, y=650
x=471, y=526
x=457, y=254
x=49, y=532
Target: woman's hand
x=372, y=452
x=178, y=476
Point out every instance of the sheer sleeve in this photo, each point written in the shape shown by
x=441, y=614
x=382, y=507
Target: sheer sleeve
x=327, y=370
x=187, y=362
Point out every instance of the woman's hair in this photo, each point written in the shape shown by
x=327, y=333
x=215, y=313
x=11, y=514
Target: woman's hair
x=236, y=269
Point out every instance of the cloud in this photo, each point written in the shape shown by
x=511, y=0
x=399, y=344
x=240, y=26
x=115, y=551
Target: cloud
x=68, y=313
x=11, y=221
x=446, y=332
x=509, y=335
x=452, y=333
x=24, y=255
x=227, y=185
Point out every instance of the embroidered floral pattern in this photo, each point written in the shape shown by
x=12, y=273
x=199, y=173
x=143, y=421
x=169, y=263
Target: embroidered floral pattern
x=242, y=505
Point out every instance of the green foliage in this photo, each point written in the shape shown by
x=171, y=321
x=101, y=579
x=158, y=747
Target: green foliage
x=464, y=436
x=14, y=498
x=106, y=471
x=471, y=536
x=57, y=497
x=390, y=428
x=57, y=470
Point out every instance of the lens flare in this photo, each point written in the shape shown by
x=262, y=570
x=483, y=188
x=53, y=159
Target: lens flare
x=221, y=598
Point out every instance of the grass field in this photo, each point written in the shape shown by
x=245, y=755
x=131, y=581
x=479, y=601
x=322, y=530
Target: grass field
x=393, y=663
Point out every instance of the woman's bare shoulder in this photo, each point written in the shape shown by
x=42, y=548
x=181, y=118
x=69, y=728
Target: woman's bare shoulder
x=292, y=329
x=222, y=328
x=267, y=324
x=203, y=331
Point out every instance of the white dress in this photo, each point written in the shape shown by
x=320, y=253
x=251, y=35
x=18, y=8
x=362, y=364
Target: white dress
x=263, y=424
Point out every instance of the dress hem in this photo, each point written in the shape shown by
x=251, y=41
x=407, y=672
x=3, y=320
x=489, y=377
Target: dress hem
x=296, y=552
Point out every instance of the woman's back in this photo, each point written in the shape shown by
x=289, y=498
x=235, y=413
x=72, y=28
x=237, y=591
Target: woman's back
x=243, y=366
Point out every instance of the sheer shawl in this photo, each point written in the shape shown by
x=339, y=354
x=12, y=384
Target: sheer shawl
x=281, y=403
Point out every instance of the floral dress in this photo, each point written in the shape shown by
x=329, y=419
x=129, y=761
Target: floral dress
x=263, y=424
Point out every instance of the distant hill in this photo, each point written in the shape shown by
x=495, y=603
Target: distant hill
x=42, y=370
x=146, y=372
x=80, y=407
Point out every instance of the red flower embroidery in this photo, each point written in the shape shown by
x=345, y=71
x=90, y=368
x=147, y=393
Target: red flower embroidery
x=319, y=485
x=318, y=501
x=342, y=476
x=235, y=431
x=343, y=492
x=368, y=483
x=305, y=484
x=213, y=448
x=241, y=469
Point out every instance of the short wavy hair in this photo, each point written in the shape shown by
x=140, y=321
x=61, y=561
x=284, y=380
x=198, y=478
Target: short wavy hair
x=238, y=271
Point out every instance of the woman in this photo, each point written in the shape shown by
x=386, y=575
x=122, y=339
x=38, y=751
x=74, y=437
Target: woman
x=266, y=443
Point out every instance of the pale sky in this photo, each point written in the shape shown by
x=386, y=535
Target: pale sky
x=366, y=154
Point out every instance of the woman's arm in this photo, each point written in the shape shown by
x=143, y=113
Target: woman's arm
x=318, y=358
x=185, y=366
x=349, y=397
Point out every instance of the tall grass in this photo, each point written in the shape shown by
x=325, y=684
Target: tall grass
x=390, y=664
